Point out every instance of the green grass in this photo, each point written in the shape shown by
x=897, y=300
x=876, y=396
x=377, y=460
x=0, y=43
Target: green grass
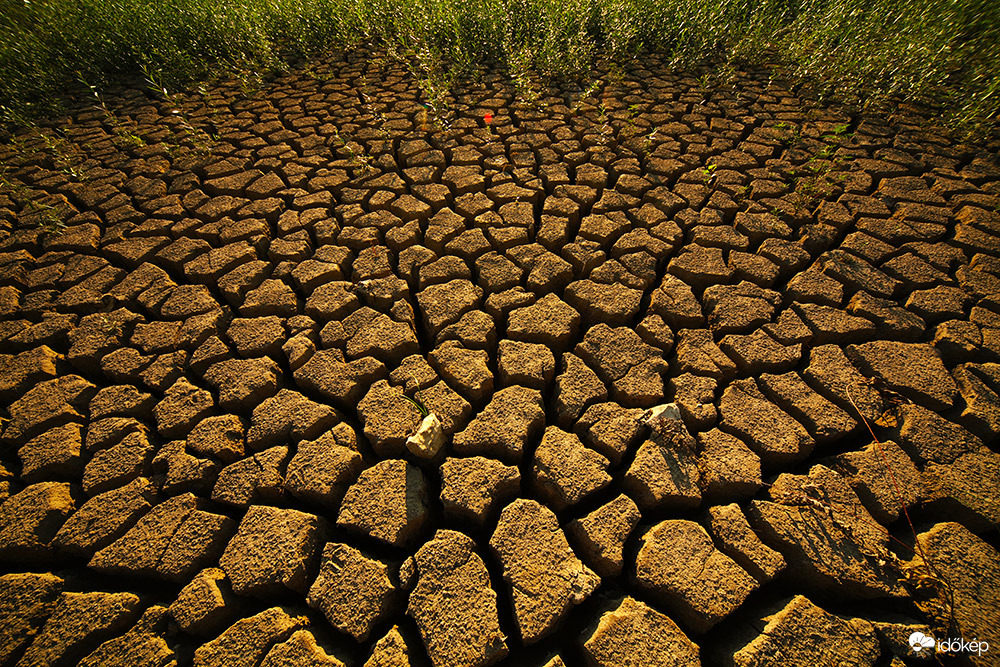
x=946, y=52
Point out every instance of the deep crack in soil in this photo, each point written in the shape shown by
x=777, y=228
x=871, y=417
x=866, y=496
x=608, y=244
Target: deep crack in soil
x=216, y=308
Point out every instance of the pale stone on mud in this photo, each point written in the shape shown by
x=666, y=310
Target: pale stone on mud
x=218, y=356
x=428, y=439
x=389, y=418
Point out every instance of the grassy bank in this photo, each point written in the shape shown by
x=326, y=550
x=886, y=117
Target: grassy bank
x=944, y=51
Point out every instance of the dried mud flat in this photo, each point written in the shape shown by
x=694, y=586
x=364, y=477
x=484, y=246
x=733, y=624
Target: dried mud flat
x=214, y=309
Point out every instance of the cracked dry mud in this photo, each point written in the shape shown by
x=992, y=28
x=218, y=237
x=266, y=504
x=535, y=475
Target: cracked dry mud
x=206, y=371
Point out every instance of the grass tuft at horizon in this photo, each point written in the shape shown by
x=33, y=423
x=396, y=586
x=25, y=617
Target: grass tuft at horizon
x=940, y=52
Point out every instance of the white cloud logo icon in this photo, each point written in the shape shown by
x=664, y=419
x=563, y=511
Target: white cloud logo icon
x=919, y=641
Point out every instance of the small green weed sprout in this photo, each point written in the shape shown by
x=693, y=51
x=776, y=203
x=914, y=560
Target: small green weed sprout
x=418, y=405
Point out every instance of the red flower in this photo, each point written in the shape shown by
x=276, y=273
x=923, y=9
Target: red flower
x=488, y=117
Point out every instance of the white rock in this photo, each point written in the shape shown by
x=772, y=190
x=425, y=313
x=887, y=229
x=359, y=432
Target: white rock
x=664, y=411
x=428, y=439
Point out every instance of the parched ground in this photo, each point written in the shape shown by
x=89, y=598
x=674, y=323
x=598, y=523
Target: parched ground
x=223, y=314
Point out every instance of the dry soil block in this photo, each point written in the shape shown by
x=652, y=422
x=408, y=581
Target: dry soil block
x=600, y=536
x=388, y=502
x=914, y=370
x=353, y=591
x=172, y=541
x=801, y=631
x=565, y=472
x=247, y=641
x=453, y=603
x=636, y=634
x=680, y=566
x=505, y=426
x=545, y=577
x=472, y=487
x=770, y=431
x=272, y=551
x=973, y=575
x=30, y=519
